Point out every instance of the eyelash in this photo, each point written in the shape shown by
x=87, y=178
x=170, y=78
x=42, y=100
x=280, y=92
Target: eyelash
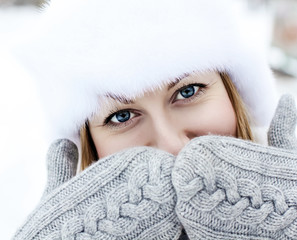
x=107, y=121
x=201, y=90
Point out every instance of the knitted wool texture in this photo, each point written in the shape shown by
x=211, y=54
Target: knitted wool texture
x=282, y=128
x=233, y=189
x=128, y=195
x=62, y=159
x=225, y=188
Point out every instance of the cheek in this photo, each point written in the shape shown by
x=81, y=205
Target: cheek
x=217, y=117
x=107, y=144
x=222, y=120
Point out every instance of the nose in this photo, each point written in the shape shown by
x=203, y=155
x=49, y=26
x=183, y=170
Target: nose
x=169, y=138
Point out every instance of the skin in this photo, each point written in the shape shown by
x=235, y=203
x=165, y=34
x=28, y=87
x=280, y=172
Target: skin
x=166, y=118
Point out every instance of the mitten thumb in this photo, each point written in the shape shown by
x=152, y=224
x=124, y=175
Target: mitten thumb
x=62, y=159
x=281, y=133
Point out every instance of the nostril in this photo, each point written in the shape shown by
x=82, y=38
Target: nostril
x=191, y=135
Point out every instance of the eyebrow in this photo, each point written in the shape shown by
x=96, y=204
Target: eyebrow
x=120, y=99
x=177, y=80
x=127, y=101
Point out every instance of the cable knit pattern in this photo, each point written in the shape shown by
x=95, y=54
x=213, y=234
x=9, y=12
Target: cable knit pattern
x=230, y=189
x=217, y=188
x=233, y=189
x=128, y=195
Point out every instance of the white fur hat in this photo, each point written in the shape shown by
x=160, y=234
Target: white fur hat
x=84, y=49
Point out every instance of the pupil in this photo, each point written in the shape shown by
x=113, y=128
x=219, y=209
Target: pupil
x=123, y=116
x=188, y=92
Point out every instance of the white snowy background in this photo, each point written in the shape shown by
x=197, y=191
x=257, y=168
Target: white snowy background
x=23, y=140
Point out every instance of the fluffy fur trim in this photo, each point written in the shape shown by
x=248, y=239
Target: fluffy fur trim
x=84, y=49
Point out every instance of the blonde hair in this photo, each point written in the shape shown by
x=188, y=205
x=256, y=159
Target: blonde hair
x=243, y=130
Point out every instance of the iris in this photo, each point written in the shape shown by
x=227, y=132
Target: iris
x=123, y=116
x=188, y=91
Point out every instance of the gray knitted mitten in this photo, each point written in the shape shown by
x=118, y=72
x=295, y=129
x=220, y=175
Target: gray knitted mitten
x=128, y=195
x=283, y=125
x=228, y=188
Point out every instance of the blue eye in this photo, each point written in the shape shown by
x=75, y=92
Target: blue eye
x=122, y=116
x=187, y=92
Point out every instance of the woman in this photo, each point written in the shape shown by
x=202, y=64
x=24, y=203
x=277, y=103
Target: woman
x=116, y=75
x=124, y=50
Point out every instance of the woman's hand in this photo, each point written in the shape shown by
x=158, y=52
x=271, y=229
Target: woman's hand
x=128, y=195
x=226, y=188
x=229, y=188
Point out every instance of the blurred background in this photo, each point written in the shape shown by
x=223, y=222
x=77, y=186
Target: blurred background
x=22, y=122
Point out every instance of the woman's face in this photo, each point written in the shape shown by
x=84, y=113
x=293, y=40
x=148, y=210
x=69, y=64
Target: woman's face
x=167, y=118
